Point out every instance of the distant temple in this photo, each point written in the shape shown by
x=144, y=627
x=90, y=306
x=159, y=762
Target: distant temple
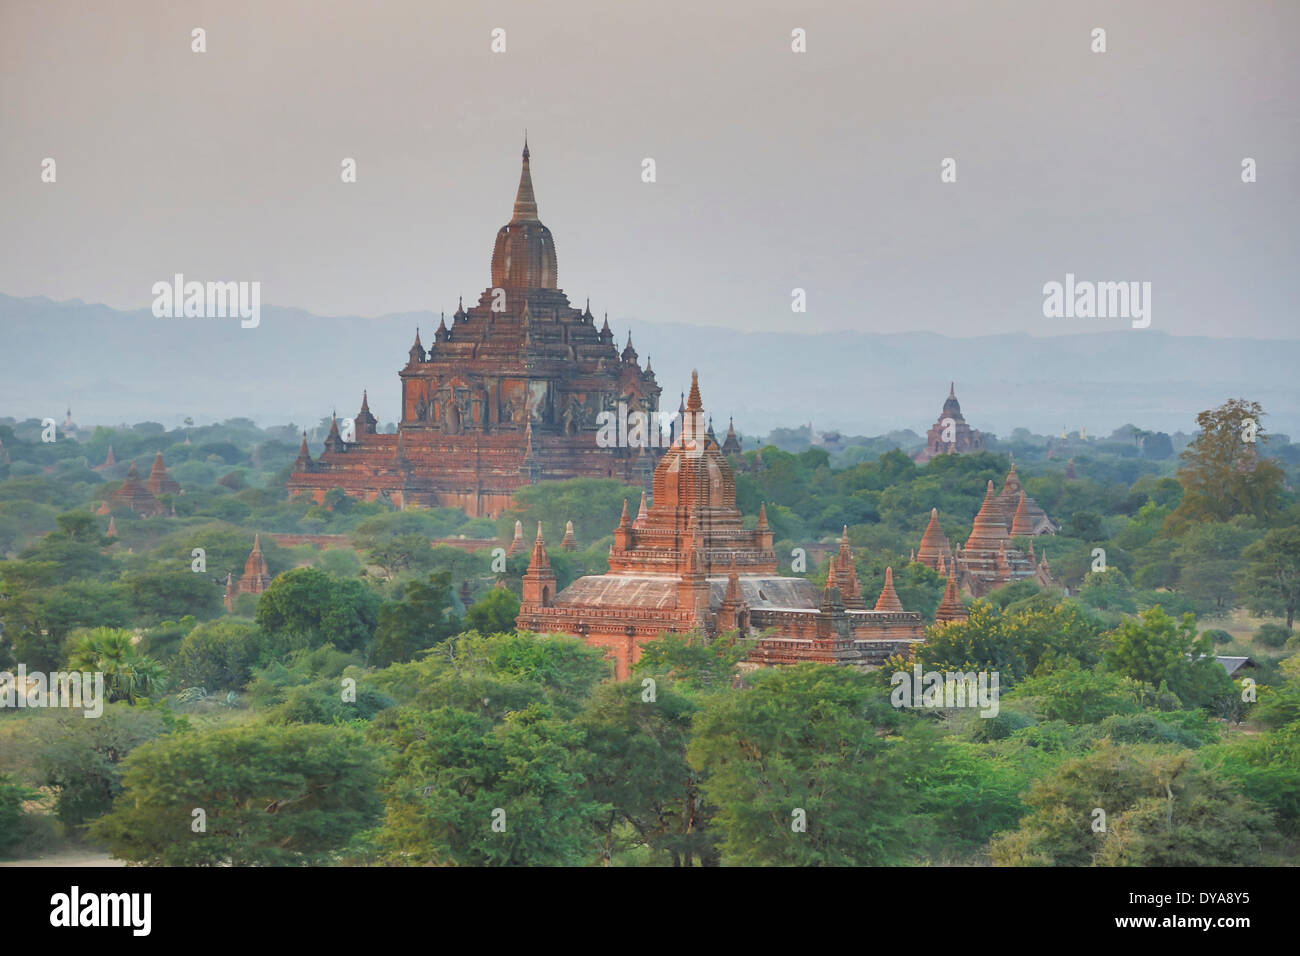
x=687, y=564
x=69, y=427
x=160, y=482
x=507, y=395
x=731, y=446
x=950, y=435
x=987, y=560
x=256, y=577
x=136, y=495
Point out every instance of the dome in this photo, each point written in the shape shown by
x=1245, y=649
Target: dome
x=524, y=255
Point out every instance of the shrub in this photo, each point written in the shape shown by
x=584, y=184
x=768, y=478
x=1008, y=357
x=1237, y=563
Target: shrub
x=1272, y=635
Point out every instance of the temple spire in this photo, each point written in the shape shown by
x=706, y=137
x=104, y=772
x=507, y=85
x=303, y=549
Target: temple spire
x=694, y=404
x=951, y=607
x=525, y=200
x=888, y=600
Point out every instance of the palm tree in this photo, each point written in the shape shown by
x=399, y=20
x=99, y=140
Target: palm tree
x=127, y=673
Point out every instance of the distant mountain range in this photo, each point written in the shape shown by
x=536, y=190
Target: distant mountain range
x=112, y=367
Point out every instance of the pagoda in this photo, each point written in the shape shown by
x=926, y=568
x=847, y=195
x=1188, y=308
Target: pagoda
x=160, y=482
x=136, y=495
x=988, y=559
x=1012, y=499
x=687, y=564
x=731, y=445
x=950, y=435
x=256, y=577
x=506, y=394
x=951, y=607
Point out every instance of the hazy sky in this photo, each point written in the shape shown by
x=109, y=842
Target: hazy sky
x=775, y=170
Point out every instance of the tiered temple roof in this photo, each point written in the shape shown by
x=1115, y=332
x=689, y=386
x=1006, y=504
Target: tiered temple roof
x=508, y=393
x=988, y=559
x=136, y=495
x=1013, y=497
x=688, y=564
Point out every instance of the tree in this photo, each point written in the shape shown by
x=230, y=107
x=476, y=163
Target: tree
x=636, y=742
x=403, y=552
x=81, y=760
x=1223, y=473
x=128, y=675
x=494, y=613
x=1158, y=649
x=798, y=772
x=1161, y=808
x=269, y=795
x=1075, y=695
x=12, y=797
x=462, y=790
x=305, y=608
x=1108, y=590
x=1270, y=582
x=169, y=595
x=694, y=664
x=420, y=620
x=1210, y=557
x=1021, y=641
x=217, y=655
x=37, y=613
x=75, y=547
x=980, y=643
x=1266, y=765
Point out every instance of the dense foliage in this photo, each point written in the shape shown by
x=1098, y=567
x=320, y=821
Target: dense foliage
x=376, y=705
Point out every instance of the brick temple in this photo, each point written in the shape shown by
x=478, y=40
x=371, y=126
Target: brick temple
x=142, y=497
x=687, y=564
x=989, y=559
x=950, y=435
x=508, y=394
x=255, y=579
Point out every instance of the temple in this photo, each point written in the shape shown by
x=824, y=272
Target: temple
x=950, y=435
x=507, y=394
x=687, y=564
x=988, y=559
x=159, y=482
x=256, y=577
x=1020, y=513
